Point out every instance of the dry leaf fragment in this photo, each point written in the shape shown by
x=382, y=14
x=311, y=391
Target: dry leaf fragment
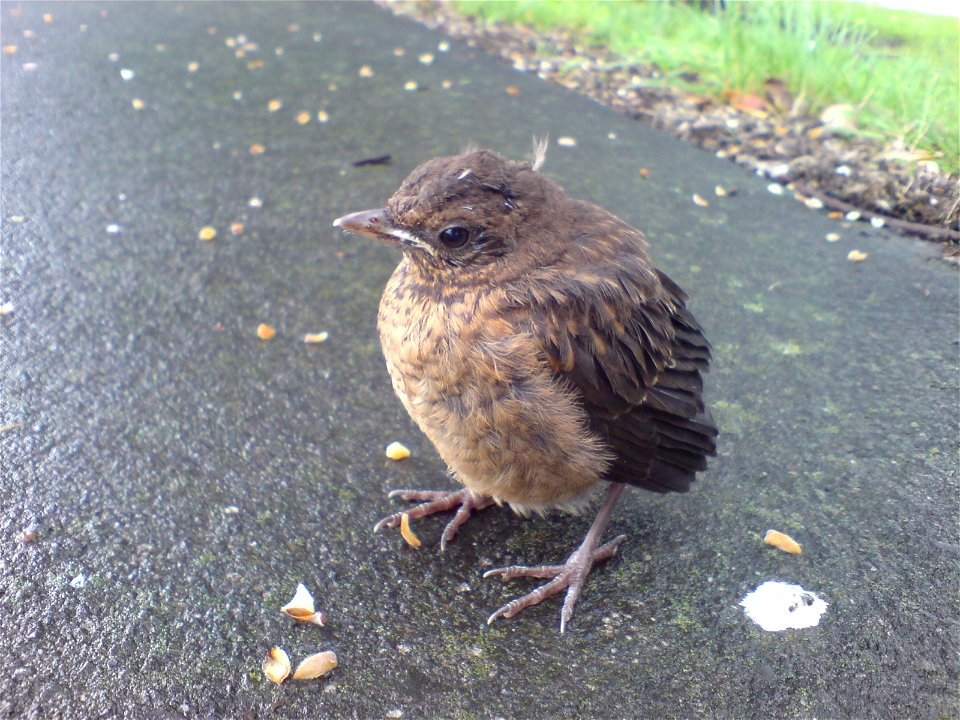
x=265, y=332
x=697, y=200
x=407, y=533
x=319, y=337
x=857, y=256
x=207, y=233
x=316, y=666
x=782, y=542
x=397, y=451
x=276, y=665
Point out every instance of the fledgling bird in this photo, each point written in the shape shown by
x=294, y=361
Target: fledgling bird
x=531, y=338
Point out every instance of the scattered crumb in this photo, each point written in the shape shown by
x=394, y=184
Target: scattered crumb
x=27, y=535
x=857, y=256
x=319, y=337
x=113, y=229
x=832, y=237
x=697, y=200
x=775, y=189
x=644, y=172
x=9, y=49
x=255, y=202
x=138, y=104
x=446, y=84
x=236, y=228
x=30, y=66
x=79, y=581
x=443, y=46
x=127, y=73
x=274, y=105
x=426, y=58
x=397, y=451
x=566, y=141
x=207, y=233
x=394, y=714
x=303, y=118
x=276, y=665
x=366, y=71
x=406, y=533
x=512, y=90
x=323, y=116
x=193, y=67
x=257, y=149
x=113, y=57
x=852, y=216
x=877, y=222
x=6, y=308
x=399, y=52
x=316, y=666
x=231, y=510
x=782, y=542
x=720, y=191
x=47, y=18
x=813, y=203
x=301, y=607
x=265, y=332
x=410, y=86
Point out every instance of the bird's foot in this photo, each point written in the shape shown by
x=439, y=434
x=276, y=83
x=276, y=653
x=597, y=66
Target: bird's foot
x=438, y=501
x=570, y=576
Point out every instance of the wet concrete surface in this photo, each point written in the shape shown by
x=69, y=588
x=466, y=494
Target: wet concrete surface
x=184, y=475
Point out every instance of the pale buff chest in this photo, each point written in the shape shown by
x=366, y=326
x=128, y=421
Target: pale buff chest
x=482, y=392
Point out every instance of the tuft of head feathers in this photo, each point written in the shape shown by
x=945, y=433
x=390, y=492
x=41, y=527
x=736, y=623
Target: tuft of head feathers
x=539, y=151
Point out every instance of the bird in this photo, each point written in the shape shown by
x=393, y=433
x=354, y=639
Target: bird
x=530, y=337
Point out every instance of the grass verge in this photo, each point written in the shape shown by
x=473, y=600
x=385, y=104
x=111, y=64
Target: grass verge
x=900, y=70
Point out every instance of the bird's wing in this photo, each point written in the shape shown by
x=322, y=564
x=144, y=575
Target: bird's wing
x=624, y=340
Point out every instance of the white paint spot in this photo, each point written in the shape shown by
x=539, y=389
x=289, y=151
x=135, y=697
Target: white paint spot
x=127, y=73
x=777, y=606
x=79, y=581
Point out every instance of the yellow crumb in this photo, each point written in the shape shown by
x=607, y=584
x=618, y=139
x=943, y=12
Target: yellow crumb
x=782, y=542
x=407, y=533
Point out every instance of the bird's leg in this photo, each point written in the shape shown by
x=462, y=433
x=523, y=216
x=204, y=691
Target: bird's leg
x=571, y=574
x=438, y=501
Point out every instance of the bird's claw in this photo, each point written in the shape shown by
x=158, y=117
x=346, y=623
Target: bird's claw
x=570, y=575
x=437, y=501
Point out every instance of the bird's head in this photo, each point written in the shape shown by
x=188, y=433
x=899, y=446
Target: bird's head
x=474, y=215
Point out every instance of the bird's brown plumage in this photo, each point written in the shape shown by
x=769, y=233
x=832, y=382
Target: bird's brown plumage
x=549, y=356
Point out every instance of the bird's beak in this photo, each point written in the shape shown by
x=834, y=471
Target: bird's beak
x=376, y=224
x=365, y=222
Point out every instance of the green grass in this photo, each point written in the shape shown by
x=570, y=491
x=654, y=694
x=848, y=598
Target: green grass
x=899, y=69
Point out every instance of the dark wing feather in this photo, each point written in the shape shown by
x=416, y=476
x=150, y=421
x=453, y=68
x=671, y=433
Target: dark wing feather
x=623, y=338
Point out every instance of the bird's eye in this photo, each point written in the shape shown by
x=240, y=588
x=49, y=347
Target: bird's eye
x=454, y=236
